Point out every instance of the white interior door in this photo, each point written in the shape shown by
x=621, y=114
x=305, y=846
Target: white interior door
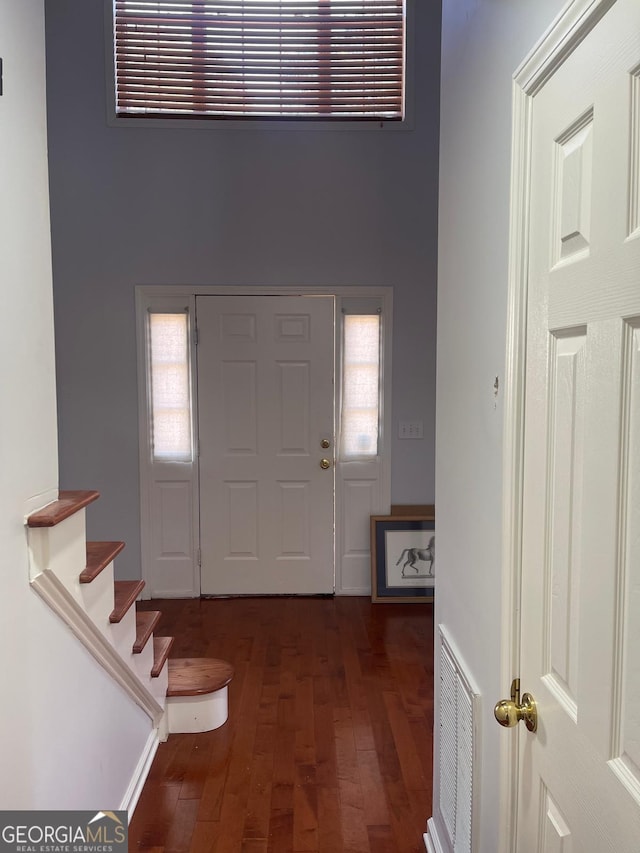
x=579, y=785
x=265, y=405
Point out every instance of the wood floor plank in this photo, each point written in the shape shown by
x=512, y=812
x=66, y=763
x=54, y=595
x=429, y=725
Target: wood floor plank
x=198, y=764
x=324, y=734
x=256, y=824
x=238, y=782
x=214, y=786
x=153, y=816
x=305, y=741
x=255, y=845
x=422, y=732
x=163, y=758
x=178, y=766
x=182, y=827
x=328, y=744
x=407, y=749
x=381, y=839
x=375, y=802
x=402, y=811
x=205, y=836
x=329, y=820
x=305, y=818
x=354, y=830
x=281, y=825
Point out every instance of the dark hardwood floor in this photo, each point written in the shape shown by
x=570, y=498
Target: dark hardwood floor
x=328, y=743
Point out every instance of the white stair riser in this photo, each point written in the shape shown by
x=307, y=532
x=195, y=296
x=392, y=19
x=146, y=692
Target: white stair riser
x=123, y=635
x=158, y=685
x=143, y=664
x=97, y=597
x=190, y=714
x=62, y=549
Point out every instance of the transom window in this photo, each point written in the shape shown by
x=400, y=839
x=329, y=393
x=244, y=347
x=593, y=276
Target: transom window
x=269, y=59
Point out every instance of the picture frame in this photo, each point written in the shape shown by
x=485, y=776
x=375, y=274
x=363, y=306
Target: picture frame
x=402, y=558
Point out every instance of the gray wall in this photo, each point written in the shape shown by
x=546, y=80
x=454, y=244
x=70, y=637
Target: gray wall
x=202, y=206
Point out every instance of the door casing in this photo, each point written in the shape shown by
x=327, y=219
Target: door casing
x=161, y=297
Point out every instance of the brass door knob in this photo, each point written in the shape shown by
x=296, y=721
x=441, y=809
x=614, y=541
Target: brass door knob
x=325, y=463
x=509, y=712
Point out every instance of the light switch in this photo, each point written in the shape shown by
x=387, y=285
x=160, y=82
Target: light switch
x=410, y=429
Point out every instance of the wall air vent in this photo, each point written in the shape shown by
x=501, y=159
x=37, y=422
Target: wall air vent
x=458, y=738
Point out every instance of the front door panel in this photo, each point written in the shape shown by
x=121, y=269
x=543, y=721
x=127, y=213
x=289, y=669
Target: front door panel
x=265, y=396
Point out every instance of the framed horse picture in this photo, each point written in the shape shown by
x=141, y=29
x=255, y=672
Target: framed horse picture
x=403, y=558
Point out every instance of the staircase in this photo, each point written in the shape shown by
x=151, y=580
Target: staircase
x=76, y=579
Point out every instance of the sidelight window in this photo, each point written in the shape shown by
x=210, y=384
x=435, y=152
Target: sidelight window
x=360, y=407
x=170, y=394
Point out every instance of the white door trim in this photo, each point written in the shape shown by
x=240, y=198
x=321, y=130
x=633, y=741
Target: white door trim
x=547, y=56
x=149, y=294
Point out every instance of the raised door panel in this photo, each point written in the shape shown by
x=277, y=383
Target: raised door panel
x=293, y=403
x=359, y=501
x=172, y=543
x=566, y=452
x=626, y=722
x=555, y=834
x=238, y=402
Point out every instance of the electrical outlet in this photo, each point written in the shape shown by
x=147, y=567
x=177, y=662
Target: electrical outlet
x=410, y=429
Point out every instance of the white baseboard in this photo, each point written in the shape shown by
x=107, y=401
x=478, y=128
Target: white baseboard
x=132, y=795
x=431, y=839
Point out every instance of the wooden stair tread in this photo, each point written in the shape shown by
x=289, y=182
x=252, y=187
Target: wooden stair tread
x=99, y=555
x=125, y=593
x=146, y=621
x=197, y=676
x=161, y=649
x=68, y=503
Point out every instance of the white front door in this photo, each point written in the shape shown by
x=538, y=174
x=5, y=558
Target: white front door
x=265, y=407
x=579, y=785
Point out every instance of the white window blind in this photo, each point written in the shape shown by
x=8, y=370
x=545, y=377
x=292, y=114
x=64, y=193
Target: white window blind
x=359, y=416
x=328, y=59
x=170, y=387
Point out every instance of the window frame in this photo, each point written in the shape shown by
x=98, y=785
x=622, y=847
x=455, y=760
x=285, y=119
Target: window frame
x=407, y=123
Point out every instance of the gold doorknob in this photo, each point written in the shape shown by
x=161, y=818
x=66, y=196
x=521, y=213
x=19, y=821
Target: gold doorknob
x=325, y=463
x=325, y=443
x=509, y=712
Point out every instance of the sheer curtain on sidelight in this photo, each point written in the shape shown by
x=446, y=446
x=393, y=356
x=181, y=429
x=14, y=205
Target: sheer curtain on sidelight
x=171, y=434
x=360, y=405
